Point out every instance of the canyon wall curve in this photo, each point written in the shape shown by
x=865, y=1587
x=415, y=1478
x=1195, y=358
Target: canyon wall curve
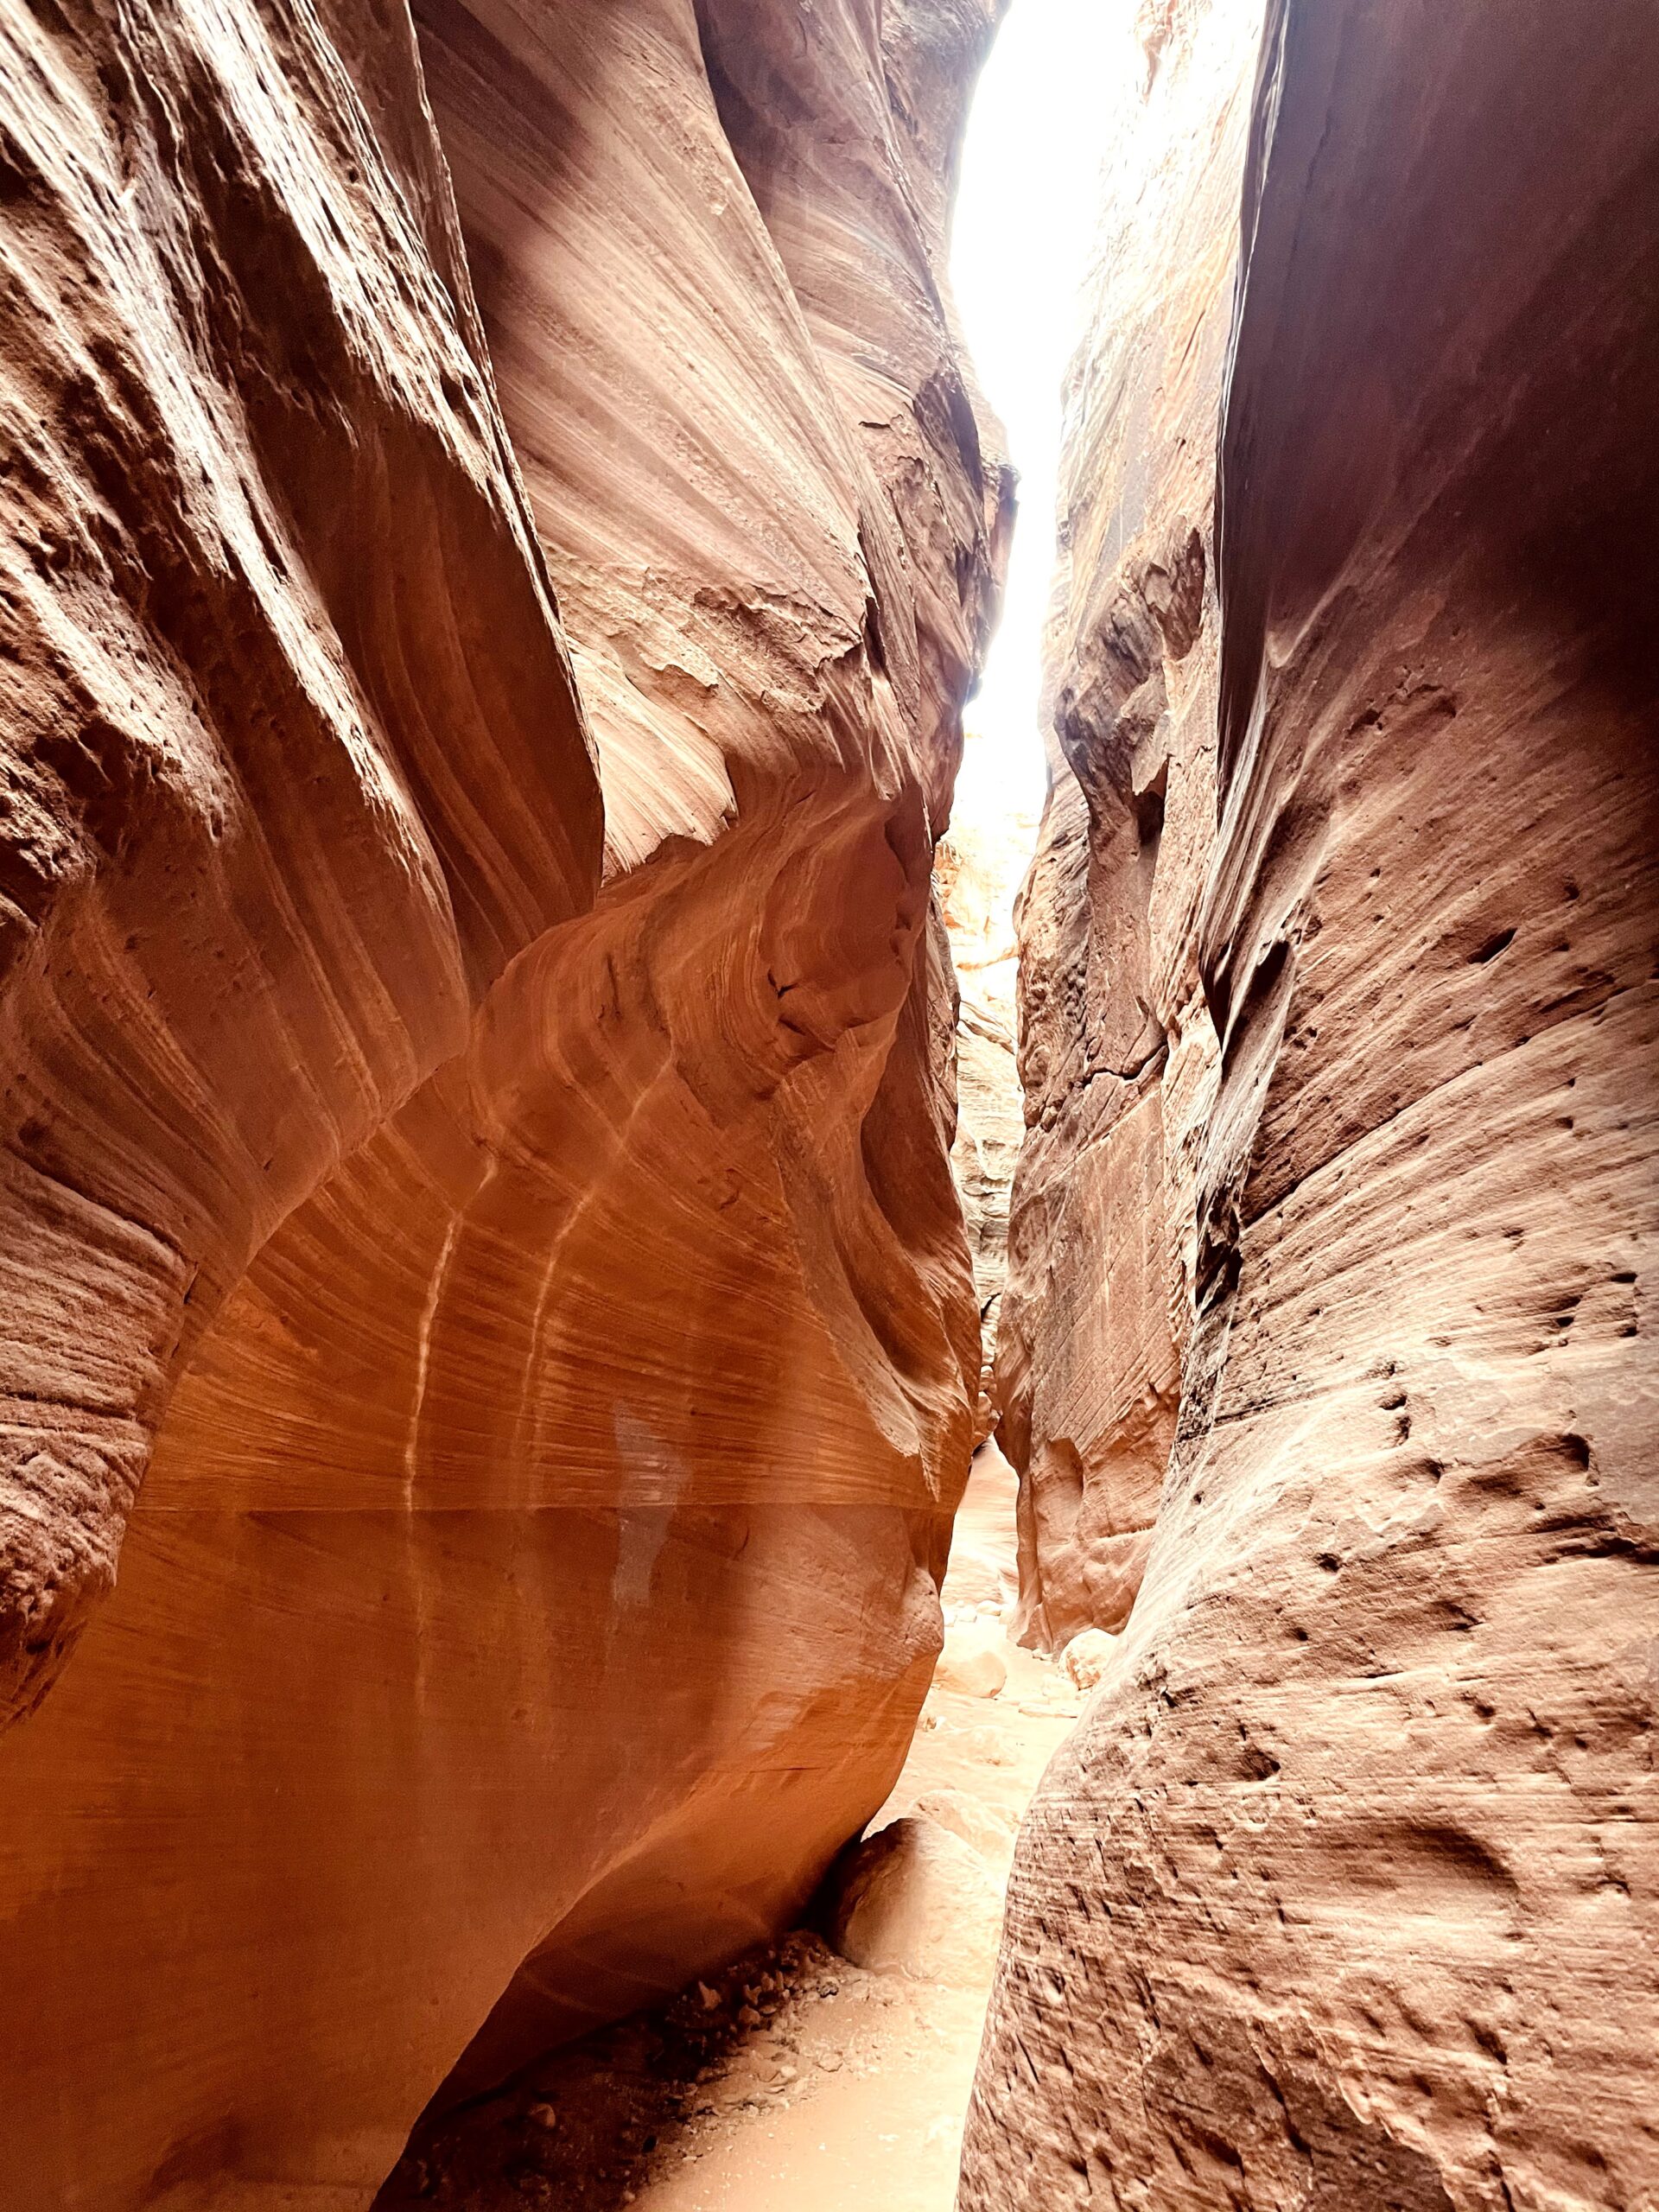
x=550, y=1313
x=266, y=808
x=501, y=531
x=973, y=869
x=1345, y=1892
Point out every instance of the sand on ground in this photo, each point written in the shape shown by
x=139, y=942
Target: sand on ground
x=794, y=2080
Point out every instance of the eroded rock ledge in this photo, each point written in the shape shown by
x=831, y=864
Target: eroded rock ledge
x=542, y=1301
x=1346, y=1892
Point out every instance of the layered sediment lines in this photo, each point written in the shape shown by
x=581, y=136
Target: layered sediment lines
x=975, y=870
x=535, y=1581
x=1346, y=1891
x=277, y=813
x=1117, y=1051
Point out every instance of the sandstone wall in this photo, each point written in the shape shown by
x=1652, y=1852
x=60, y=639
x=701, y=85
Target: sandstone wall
x=275, y=816
x=1346, y=1891
x=1117, y=1051
x=536, y=1579
x=975, y=868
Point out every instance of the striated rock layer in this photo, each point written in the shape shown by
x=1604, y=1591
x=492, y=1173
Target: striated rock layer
x=1117, y=1050
x=534, y=1582
x=1346, y=1891
x=975, y=870
x=274, y=815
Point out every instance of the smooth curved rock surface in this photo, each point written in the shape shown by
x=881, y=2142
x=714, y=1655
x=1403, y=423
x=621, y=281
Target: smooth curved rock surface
x=972, y=1661
x=1346, y=1891
x=273, y=814
x=1117, y=1051
x=536, y=1581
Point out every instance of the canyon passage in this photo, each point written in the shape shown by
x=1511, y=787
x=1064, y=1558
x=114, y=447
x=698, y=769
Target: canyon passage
x=609, y=1372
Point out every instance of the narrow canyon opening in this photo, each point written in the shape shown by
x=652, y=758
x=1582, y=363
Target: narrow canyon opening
x=832, y=2068
x=692, y=1516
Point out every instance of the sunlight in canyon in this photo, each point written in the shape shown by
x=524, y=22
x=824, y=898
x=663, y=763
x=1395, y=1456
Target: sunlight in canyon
x=1060, y=76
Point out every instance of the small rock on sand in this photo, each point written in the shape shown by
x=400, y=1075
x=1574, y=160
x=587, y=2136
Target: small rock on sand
x=916, y=1900
x=1086, y=1658
x=981, y=1826
x=972, y=1661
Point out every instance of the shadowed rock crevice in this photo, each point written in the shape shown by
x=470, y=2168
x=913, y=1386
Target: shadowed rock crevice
x=1117, y=1048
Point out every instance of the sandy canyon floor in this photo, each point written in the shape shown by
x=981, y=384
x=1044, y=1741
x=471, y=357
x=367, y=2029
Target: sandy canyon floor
x=794, y=2079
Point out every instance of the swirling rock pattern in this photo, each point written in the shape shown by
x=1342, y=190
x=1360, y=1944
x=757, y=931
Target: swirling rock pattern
x=275, y=816
x=1346, y=1891
x=535, y=1581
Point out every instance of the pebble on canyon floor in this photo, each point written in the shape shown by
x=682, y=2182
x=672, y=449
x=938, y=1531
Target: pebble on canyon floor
x=586, y=2128
x=1086, y=1658
x=973, y=1660
x=915, y=1899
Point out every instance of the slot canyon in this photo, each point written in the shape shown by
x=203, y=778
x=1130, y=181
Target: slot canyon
x=695, y=1512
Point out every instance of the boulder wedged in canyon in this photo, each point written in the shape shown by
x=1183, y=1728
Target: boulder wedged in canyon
x=1346, y=1891
x=536, y=1580
x=1117, y=1052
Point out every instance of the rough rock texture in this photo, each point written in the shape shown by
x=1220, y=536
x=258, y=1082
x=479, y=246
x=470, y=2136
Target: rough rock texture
x=534, y=1582
x=1346, y=1891
x=974, y=865
x=1117, y=1052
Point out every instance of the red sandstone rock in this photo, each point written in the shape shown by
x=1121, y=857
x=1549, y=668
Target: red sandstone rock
x=290, y=760
x=1117, y=1050
x=536, y=1580
x=976, y=869
x=1346, y=1891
